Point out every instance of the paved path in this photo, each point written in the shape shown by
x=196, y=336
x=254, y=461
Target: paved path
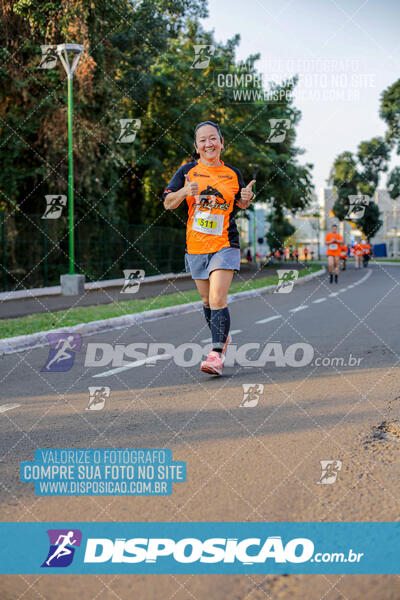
x=259, y=463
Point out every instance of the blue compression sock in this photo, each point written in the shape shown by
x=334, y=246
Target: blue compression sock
x=207, y=314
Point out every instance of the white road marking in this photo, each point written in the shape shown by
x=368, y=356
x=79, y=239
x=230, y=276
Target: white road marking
x=363, y=278
x=230, y=333
x=302, y=307
x=137, y=363
x=269, y=319
x=153, y=359
x=5, y=407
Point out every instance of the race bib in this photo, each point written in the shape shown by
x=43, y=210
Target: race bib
x=333, y=246
x=206, y=222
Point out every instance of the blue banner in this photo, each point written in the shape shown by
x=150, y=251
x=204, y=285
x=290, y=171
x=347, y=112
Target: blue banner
x=208, y=548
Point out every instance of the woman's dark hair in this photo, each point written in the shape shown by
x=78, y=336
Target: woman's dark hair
x=196, y=155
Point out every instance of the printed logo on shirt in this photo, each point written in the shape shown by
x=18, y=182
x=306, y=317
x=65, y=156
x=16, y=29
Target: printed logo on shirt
x=208, y=199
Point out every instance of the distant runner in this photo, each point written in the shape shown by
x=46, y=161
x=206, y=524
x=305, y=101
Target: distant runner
x=358, y=254
x=343, y=256
x=333, y=240
x=214, y=192
x=366, y=250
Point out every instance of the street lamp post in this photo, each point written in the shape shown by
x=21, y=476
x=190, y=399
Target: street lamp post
x=396, y=238
x=71, y=284
x=318, y=234
x=255, y=172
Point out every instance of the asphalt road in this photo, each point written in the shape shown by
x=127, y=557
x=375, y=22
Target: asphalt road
x=15, y=308
x=244, y=463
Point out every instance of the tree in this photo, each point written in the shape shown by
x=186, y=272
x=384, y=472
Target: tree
x=353, y=175
x=137, y=64
x=373, y=156
x=345, y=179
x=121, y=42
x=370, y=222
x=358, y=174
x=279, y=230
x=393, y=183
x=182, y=96
x=390, y=113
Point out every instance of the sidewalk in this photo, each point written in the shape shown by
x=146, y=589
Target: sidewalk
x=106, y=292
x=45, y=300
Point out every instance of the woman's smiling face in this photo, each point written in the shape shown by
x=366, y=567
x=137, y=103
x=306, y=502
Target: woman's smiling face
x=208, y=144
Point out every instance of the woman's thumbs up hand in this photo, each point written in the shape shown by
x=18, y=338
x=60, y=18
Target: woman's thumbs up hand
x=246, y=195
x=191, y=187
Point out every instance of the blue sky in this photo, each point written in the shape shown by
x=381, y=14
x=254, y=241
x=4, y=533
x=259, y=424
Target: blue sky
x=302, y=33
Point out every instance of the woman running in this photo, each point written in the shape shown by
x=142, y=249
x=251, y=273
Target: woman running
x=343, y=255
x=366, y=250
x=333, y=240
x=214, y=192
x=358, y=253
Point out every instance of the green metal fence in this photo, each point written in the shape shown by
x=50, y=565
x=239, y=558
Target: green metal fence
x=34, y=251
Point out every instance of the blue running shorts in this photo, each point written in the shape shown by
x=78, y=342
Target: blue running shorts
x=201, y=265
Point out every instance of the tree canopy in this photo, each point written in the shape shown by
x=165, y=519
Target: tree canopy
x=359, y=174
x=138, y=63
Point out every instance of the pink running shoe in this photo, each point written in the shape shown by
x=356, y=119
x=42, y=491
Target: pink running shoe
x=213, y=363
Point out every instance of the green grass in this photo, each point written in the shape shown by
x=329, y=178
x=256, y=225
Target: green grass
x=74, y=316
x=352, y=259
x=384, y=259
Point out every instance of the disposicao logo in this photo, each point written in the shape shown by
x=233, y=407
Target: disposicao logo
x=62, y=351
x=191, y=550
x=174, y=554
x=62, y=547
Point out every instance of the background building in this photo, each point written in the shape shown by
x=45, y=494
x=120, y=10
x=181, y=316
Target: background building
x=389, y=233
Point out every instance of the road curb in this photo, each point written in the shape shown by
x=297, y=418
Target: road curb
x=35, y=340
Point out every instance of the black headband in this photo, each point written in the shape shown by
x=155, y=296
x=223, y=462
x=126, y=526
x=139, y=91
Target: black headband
x=207, y=123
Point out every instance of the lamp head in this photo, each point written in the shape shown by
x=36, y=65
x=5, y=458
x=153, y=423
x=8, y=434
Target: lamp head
x=63, y=50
